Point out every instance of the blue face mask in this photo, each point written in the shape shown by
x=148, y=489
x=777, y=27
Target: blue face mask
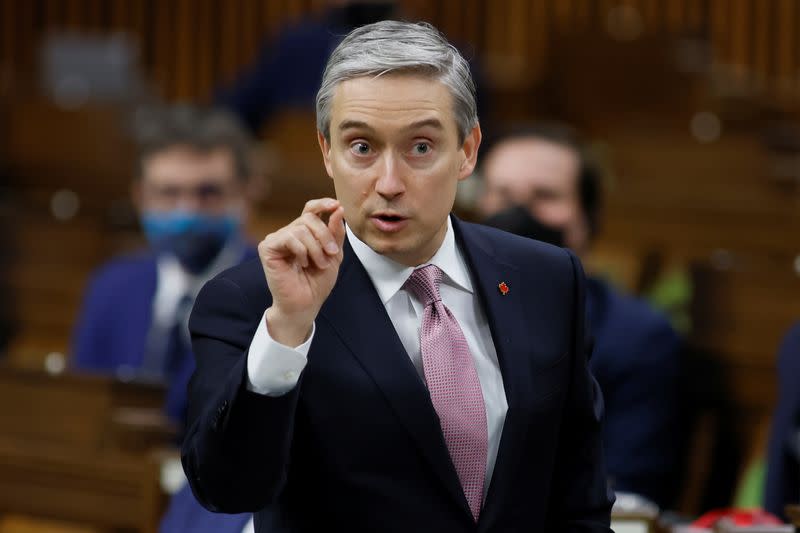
x=194, y=238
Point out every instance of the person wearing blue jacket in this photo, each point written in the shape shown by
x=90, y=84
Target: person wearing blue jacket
x=539, y=182
x=190, y=190
x=782, y=486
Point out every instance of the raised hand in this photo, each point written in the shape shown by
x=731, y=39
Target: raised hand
x=301, y=262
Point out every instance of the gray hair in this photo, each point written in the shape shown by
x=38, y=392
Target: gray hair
x=389, y=47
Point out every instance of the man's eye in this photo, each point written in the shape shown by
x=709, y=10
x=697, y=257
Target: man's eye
x=422, y=148
x=359, y=148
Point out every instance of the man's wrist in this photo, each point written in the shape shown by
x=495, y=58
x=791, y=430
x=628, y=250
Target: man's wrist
x=288, y=330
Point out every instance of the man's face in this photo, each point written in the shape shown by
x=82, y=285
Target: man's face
x=395, y=160
x=182, y=178
x=541, y=176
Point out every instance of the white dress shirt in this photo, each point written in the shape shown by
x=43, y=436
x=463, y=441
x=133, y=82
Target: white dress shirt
x=174, y=281
x=274, y=369
x=174, y=284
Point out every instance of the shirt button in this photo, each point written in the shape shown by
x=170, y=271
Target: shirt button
x=290, y=375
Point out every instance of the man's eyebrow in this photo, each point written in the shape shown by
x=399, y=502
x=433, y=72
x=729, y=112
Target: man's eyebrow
x=358, y=124
x=430, y=122
x=354, y=124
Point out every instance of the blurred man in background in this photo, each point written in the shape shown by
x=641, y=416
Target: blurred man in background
x=540, y=183
x=288, y=70
x=783, y=461
x=191, y=194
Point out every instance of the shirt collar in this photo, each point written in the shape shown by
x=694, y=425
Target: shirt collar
x=388, y=276
x=170, y=268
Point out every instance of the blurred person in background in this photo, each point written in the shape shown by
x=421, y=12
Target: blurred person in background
x=288, y=70
x=539, y=182
x=190, y=191
x=783, y=460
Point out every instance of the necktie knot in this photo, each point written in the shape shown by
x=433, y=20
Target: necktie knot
x=424, y=284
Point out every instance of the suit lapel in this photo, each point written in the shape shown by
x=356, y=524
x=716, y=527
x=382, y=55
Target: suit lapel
x=510, y=333
x=373, y=340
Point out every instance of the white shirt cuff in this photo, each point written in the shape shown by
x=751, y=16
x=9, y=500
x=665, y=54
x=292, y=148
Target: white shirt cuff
x=273, y=369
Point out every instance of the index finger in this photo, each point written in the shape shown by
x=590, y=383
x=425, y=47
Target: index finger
x=320, y=206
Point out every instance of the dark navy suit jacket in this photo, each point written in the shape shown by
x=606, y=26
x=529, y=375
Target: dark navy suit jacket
x=783, y=461
x=357, y=446
x=636, y=361
x=186, y=515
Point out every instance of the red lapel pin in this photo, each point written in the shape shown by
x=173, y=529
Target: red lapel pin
x=503, y=288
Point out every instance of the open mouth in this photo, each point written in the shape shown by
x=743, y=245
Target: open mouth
x=389, y=222
x=390, y=218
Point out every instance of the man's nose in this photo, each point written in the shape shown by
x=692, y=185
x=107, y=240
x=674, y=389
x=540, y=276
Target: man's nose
x=390, y=182
x=189, y=201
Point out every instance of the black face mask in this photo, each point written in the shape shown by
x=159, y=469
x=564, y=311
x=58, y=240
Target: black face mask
x=357, y=14
x=519, y=221
x=195, y=250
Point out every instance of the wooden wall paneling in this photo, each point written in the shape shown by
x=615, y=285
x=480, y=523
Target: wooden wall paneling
x=296, y=9
x=695, y=14
x=472, y=24
x=27, y=33
x=451, y=25
x=119, y=15
x=538, y=38
x=229, y=27
x=203, y=59
x=494, y=45
x=675, y=15
x=583, y=14
x=562, y=11
x=7, y=36
x=252, y=32
x=762, y=23
x=786, y=67
x=518, y=29
x=651, y=14
x=159, y=29
x=740, y=35
x=738, y=30
x=187, y=45
x=75, y=14
x=271, y=18
x=719, y=32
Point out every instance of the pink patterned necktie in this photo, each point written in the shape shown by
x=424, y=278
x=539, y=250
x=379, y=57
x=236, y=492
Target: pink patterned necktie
x=453, y=385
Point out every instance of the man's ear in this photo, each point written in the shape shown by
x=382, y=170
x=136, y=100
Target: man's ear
x=325, y=147
x=470, y=148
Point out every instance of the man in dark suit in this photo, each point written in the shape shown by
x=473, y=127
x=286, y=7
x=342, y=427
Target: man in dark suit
x=540, y=176
x=191, y=192
x=783, y=461
x=405, y=371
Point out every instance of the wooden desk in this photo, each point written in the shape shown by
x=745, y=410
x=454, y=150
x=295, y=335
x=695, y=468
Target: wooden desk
x=70, y=449
x=793, y=512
